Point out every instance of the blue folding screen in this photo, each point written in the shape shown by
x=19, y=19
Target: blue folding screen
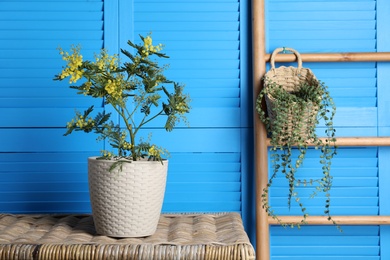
x=204, y=50
x=43, y=171
x=40, y=170
x=359, y=91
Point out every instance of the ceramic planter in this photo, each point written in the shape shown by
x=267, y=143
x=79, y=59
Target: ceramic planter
x=126, y=202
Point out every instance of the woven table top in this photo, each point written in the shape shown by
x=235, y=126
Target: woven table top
x=203, y=236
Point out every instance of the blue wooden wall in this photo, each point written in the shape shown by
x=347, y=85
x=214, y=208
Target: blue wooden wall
x=40, y=170
x=361, y=93
x=210, y=169
x=43, y=171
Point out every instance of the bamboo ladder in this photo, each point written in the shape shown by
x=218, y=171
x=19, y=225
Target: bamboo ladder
x=260, y=58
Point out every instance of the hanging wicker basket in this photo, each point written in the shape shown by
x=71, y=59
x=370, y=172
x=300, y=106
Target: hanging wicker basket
x=291, y=79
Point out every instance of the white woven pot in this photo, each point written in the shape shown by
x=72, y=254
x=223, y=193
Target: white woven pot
x=126, y=203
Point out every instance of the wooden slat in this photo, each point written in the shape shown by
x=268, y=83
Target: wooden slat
x=261, y=142
x=261, y=155
x=333, y=57
x=357, y=141
x=340, y=220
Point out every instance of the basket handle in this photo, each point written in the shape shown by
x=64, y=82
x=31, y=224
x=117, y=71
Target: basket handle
x=277, y=50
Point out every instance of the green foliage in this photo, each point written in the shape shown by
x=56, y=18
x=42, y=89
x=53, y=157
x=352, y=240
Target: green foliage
x=138, y=87
x=296, y=115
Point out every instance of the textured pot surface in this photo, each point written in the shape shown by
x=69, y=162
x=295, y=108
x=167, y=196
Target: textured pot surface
x=127, y=202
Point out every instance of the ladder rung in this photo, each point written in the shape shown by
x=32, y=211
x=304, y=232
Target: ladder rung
x=356, y=141
x=333, y=57
x=340, y=220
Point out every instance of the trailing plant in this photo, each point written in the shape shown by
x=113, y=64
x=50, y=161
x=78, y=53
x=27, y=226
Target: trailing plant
x=291, y=122
x=137, y=90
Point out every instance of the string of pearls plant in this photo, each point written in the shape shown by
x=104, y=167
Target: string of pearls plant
x=295, y=116
x=135, y=91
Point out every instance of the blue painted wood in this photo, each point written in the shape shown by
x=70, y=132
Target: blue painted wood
x=57, y=207
x=203, y=73
x=383, y=100
x=202, y=207
x=355, y=184
x=337, y=26
x=323, y=34
x=48, y=102
x=228, y=6
x=313, y=26
x=383, y=122
x=26, y=197
x=164, y=36
x=324, y=231
x=52, y=140
x=43, y=15
x=41, y=186
x=65, y=182
x=45, y=140
x=384, y=204
x=210, y=167
x=39, y=54
x=42, y=171
x=336, y=202
x=322, y=15
x=53, y=25
x=383, y=70
x=169, y=16
x=353, y=192
x=247, y=167
x=35, y=117
x=323, y=25
x=29, y=62
x=49, y=35
x=205, y=55
x=326, y=257
x=126, y=24
x=49, y=6
x=329, y=250
x=111, y=26
x=197, y=140
x=170, y=197
x=325, y=242
x=209, y=115
x=199, y=64
x=174, y=26
x=329, y=240
x=312, y=5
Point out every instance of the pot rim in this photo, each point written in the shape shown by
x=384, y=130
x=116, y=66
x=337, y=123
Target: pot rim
x=144, y=160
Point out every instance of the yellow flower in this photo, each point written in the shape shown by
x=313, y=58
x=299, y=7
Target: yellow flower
x=154, y=151
x=106, y=62
x=113, y=63
x=148, y=46
x=87, y=87
x=100, y=64
x=70, y=124
x=115, y=87
x=73, y=66
x=106, y=153
x=148, y=42
x=127, y=145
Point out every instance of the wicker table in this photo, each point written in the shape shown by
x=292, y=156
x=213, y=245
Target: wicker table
x=50, y=237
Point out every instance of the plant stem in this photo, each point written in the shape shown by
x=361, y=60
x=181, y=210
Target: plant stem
x=143, y=122
x=129, y=128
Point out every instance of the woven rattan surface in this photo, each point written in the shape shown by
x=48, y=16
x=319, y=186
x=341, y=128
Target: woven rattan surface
x=203, y=236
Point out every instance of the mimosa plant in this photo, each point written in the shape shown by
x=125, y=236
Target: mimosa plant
x=136, y=87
